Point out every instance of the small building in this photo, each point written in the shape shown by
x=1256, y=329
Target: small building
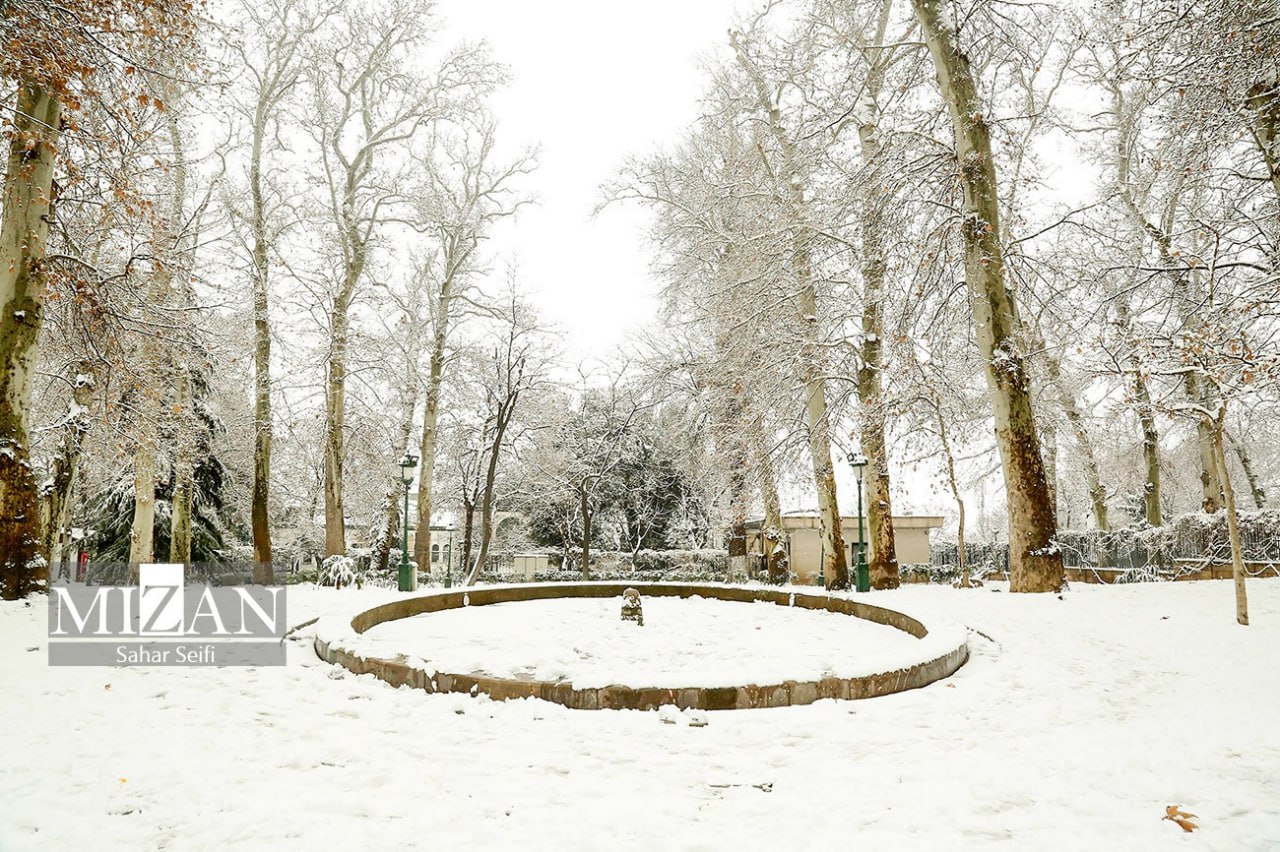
x=802, y=536
x=443, y=540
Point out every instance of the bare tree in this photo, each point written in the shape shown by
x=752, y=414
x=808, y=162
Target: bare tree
x=64, y=56
x=515, y=365
x=466, y=193
x=370, y=101
x=1035, y=561
x=271, y=53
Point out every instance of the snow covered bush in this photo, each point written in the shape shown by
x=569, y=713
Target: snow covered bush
x=340, y=571
x=676, y=560
x=1147, y=552
x=926, y=573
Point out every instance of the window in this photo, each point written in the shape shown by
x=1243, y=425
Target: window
x=435, y=553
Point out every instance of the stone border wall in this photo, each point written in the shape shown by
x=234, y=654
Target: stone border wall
x=400, y=672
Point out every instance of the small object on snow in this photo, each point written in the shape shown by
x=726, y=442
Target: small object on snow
x=34, y=648
x=1174, y=813
x=697, y=718
x=106, y=686
x=668, y=714
x=766, y=787
x=631, y=609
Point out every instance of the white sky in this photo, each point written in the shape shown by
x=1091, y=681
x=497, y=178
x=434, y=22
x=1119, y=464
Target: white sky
x=593, y=82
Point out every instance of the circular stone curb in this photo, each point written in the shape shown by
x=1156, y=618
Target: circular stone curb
x=342, y=647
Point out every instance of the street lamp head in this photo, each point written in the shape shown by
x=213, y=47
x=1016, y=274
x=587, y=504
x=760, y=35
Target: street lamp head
x=409, y=462
x=858, y=460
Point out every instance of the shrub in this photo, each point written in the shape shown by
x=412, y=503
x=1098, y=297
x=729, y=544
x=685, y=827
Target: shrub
x=340, y=571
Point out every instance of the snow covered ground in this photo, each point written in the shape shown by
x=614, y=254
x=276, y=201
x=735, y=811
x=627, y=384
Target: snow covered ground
x=694, y=642
x=1072, y=727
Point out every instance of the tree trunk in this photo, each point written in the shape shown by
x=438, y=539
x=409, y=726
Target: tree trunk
x=55, y=503
x=776, y=567
x=1211, y=475
x=384, y=537
x=585, y=506
x=262, y=427
x=883, y=568
x=1150, y=450
x=1180, y=278
x=1246, y=462
x=183, y=476
x=1216, y=428
x=1035, y=561
x=24, y=228
x=835, y=568
x=142, y=531
x=505, y=412
x=1264, y=100
x=1049, y=451
x=953, y=482
x=1084, y=443
x=430, y=421
x=335, y=533
x=1146, y=413
x=739, y=482
x=468, y=528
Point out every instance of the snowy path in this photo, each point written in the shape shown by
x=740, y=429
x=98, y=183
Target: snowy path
x=1072, y=730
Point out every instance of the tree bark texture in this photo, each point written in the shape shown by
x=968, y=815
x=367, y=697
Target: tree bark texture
x=506, y=410
x=1246, y=464
x=1084, y=442
x=1035, y=561
x=24, y=230
x=335, y=532
x=1216, y=428
x=1146, y=414
x=430, y=422
x=1264, y=100
x=259, y=511
x=953, y=481
x=585, y=506
x=55, y=503
x=883, y=567
x=776, y=563
x=183, y=475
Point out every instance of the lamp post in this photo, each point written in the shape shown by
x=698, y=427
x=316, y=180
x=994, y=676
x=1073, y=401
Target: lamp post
x=408, y=578
x=863, y=575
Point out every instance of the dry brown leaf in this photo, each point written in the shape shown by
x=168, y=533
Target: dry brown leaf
x=1174, y=813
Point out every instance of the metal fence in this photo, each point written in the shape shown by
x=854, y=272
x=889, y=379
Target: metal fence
x=1183, y=545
